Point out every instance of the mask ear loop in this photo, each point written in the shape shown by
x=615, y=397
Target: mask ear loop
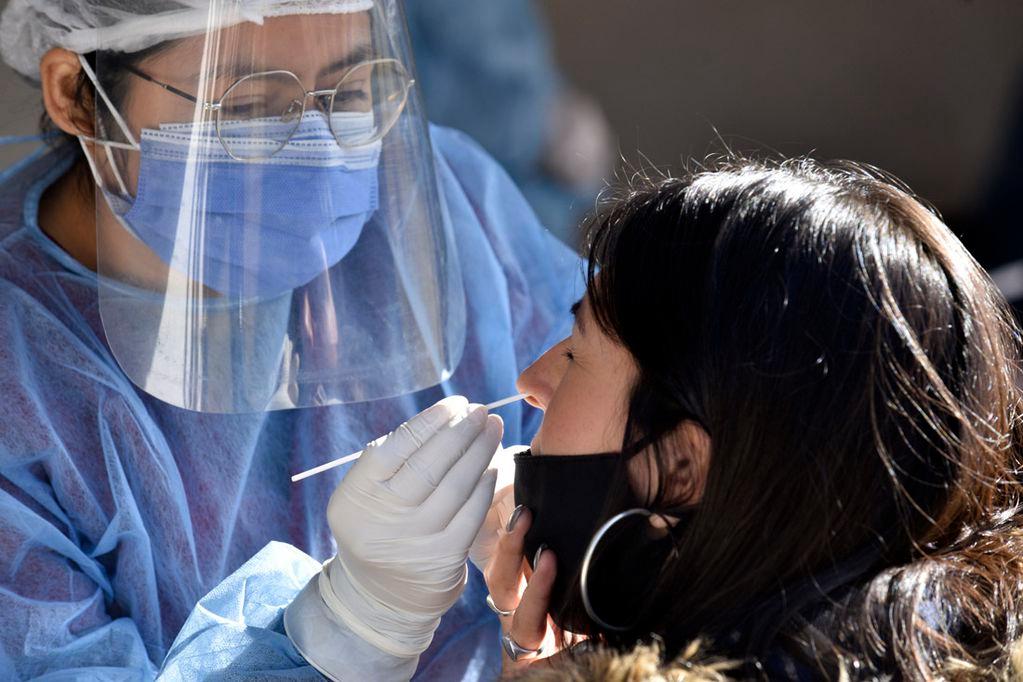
x=585, y=571
x=117, y=172
x=106, y=100
x=132, y=145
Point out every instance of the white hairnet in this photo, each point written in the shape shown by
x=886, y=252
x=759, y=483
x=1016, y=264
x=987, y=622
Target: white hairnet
x=28, y=28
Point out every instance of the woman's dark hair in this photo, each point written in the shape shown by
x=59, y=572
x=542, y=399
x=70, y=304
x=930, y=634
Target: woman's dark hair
x=857, y=373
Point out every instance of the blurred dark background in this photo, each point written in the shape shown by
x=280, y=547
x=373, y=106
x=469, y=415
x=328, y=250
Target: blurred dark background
x=931, y=90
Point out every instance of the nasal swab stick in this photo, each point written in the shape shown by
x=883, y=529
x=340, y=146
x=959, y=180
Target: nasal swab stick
x=505, y=401
x=356, y=455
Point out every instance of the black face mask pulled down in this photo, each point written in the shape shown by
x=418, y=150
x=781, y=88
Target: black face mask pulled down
x=568, y=497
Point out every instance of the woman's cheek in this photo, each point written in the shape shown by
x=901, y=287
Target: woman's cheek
x=557, y=434
x=577, y=425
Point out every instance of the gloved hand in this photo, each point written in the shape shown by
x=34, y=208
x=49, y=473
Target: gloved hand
x=404, y=518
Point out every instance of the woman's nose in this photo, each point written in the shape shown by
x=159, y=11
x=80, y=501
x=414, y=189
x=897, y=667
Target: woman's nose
x=539, y=381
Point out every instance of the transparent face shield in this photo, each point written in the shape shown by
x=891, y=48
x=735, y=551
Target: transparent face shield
x=269, y=229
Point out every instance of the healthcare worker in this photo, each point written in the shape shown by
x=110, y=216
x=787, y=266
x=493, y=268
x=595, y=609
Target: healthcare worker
x=249, y=254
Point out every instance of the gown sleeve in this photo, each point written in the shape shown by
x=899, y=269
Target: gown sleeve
x=73, y=563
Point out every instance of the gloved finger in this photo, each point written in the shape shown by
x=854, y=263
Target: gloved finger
x=423, y=471
x=504, y=574
x=529, y=624
x=450, y=494
x=504, y=462
x=466, y=523
x=500, y=512
x=386, y=455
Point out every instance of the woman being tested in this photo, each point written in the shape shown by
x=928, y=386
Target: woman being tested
x=787, y=423
x=242, y=254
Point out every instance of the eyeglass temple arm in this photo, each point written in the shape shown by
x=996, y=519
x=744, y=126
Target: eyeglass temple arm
x=169, y=88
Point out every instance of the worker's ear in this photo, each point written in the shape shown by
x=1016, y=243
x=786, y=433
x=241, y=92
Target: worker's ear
x=67, y=104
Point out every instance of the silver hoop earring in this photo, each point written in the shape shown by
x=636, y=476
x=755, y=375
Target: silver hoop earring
x=585, y=571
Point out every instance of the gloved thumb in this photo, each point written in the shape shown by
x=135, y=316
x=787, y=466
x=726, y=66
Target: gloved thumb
x=500, y=511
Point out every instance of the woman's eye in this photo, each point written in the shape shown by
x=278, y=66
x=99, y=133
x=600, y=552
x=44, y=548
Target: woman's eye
x=569, y=354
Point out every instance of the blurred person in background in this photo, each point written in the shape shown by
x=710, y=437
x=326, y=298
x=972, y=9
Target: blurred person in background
x=487, y=68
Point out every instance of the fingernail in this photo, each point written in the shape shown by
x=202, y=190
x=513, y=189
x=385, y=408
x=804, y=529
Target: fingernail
x=494, y=428
x=455, y=404
x=477, y=413
x=536, y=557
x=514, y=518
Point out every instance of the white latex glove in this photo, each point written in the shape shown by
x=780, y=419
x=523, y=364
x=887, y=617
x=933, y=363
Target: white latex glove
x=500, y=509
x=404, y=518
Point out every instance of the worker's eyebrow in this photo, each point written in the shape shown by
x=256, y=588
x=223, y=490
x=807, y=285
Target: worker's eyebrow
x=235, y=70
x=357, y=55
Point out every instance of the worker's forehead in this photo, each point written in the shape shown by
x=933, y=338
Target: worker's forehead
x=298, y=43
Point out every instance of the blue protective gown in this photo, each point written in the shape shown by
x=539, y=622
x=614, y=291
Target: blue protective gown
x=118, y=512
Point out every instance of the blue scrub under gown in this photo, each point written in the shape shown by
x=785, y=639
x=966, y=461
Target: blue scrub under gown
x=118, y=513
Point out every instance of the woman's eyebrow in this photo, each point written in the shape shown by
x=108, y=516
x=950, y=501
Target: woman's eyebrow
x=576, y=313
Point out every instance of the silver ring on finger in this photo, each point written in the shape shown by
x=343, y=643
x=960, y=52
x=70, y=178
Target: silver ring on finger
x=516, y=652
x=493, y=607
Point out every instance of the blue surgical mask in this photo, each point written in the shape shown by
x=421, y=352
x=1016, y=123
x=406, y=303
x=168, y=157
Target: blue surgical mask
x=267, y=226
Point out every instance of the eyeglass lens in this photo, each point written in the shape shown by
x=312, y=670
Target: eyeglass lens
x=260, y=113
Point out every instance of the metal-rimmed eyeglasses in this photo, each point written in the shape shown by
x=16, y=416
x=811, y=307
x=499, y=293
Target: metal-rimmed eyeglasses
x=377, y=87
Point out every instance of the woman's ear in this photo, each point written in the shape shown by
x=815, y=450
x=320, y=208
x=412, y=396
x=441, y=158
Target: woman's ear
x=59, y=70
x=688, y=461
